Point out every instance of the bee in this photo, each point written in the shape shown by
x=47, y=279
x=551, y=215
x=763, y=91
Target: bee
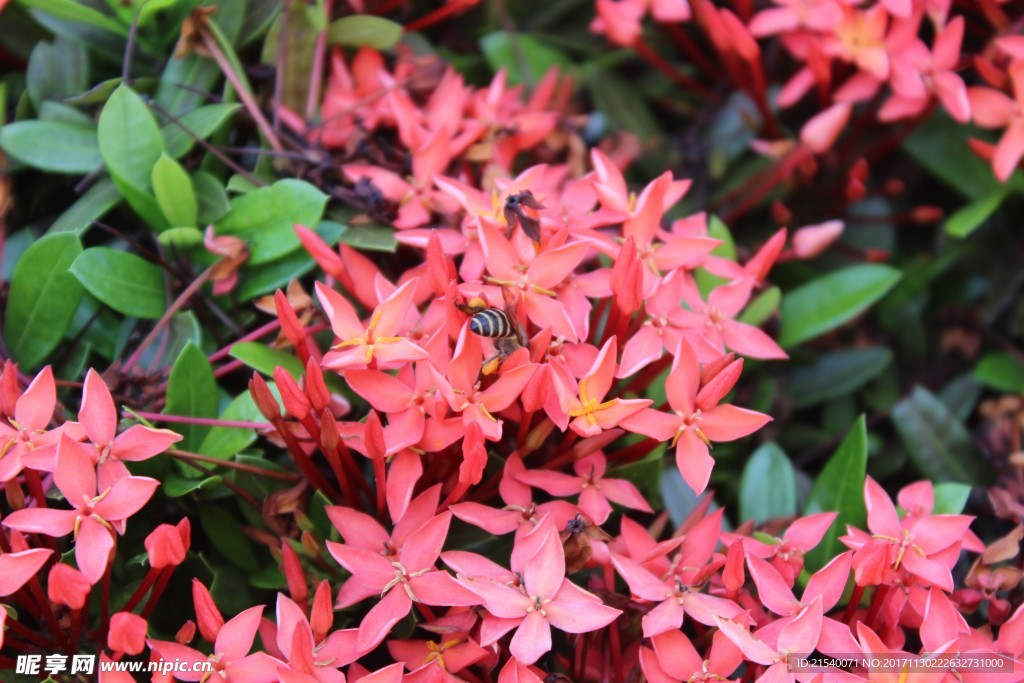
x=498, y=325
x=514, y=213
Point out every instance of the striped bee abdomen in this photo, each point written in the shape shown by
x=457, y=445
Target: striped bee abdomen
x=491, y=323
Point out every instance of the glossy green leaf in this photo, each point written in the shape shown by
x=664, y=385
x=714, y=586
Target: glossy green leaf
x=836, y=374
x=91, y=206
x=972, y=216
x=517, y=52
x=824, y=304
x=369, y=237
x=75, y=11
x=129, y=138
x=212, y=197
x=762, y=307
x=52, y=146
x=42, y=300
x=175, y=486
x=15, y=245
x=174, y=193
x=938, y=443
x=180, y=136
x=950, y=498
x=768, y=485
x=127, y=283
x=184, y=82
x=225, y=442
x=291, y=47
x=361, y=30
x=264, y=359
x=57, y=70
x=618, y=100
x=266, y=217
x=940, y=146
x=1001, y=371
x=222, y=527
x=840, y=487
x=192, y=392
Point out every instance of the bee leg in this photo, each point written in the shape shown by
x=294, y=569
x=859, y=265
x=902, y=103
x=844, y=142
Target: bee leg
x=491, y=365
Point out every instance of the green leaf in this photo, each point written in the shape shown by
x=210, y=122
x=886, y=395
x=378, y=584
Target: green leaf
x=262, y=358
x=75, y=11
x=52, y=146
x=192, y=392
x=175, y=486
x=180, y=136
x=213, y=199
x=361, y=30
x=972, y=216
x=130, y=140
x=294, y=56
x=938, y=443
x=181, y=239
x=761, y=308
x=619, y=101
x=840, y=487
x=826, y=303
x=1001, y=371
x=368, y=237
x=15, y=245
x=518, y=51
x=836, y=374
x=950, y=498
x=225, y=442
x=91, y=206
x=940, y=146
x=57, y=70
x=266, y=217
x=222, y=528
x=174, y=193
x=125, y=282
x=42, y=300
x=768, y=485
x=184, y=84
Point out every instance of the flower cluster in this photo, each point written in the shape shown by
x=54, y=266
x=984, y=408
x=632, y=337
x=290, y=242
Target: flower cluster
x=899, y=58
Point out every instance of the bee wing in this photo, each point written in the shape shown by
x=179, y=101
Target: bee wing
x=527, y=199
x=531, y=226
x=511, y=215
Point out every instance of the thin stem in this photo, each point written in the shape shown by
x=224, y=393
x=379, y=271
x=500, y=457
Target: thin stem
x=166, y=318
x=225, y=351
x=230, y=464
x=208, y=421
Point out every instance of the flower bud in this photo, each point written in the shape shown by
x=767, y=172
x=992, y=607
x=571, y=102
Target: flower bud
x=67, y=586
x=167, y=545
x=127, y=633
x=207, y=615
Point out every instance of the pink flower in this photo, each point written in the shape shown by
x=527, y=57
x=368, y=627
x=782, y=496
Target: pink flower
x=17, y=569
x=462, y=386
x=994, y=109
x=230, y=658
x=409, y=578
x=534, y=280
x=378, y=342
x=96, y=515
x=595, y=491
x=926, y=547
x=25, y=431
x=98, y=417
x=546, y=599
x=698, y=418
x=585, y=403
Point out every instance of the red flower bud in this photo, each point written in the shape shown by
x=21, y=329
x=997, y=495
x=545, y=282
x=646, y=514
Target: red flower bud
x=167, y=545
x=264, y=400
x=67, y=586
x=207, y=615
x=321, y=617
x=127, y=633
x=316, y=389
x=295, y=402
